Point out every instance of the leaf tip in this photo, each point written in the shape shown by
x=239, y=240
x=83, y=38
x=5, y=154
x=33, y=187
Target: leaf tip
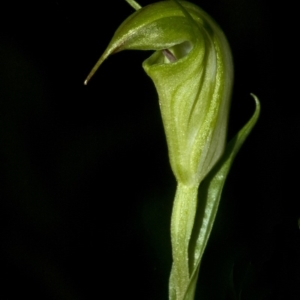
x=257, y=104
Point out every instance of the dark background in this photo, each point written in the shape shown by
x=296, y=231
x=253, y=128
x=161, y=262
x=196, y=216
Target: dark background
x=86, y=189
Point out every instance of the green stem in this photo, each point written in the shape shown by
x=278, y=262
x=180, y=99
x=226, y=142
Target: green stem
x=134, y=4
x=182, y=221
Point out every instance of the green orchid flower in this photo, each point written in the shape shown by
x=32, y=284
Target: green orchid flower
x=192, y=70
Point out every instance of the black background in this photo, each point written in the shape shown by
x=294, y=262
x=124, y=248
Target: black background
x=86, y=189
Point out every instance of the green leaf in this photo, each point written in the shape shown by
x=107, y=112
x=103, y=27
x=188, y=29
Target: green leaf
x=209, y=197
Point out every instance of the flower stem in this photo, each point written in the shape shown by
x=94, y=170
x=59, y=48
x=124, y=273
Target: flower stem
x=134, y=4
x=182, y=221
